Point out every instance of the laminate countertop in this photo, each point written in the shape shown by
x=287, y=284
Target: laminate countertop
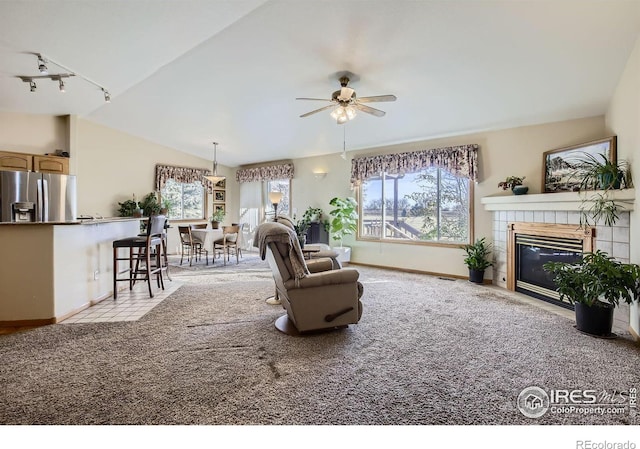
x=74, y=222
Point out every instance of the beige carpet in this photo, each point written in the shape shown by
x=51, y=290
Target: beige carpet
x=427, y=351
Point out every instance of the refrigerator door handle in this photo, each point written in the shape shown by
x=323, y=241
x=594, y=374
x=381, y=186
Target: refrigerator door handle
x=39, y=200
x=45, y=200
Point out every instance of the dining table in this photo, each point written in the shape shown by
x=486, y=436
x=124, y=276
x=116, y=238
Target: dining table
x=207, y=237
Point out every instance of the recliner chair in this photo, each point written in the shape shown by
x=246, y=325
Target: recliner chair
x=313, y=300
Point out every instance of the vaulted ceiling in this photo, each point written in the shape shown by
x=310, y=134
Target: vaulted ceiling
x=183, y=73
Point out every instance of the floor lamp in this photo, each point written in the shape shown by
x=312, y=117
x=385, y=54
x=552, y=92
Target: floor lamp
x=274, y=198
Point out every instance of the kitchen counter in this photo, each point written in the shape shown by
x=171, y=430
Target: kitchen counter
x=75, y=222
x=51, y=271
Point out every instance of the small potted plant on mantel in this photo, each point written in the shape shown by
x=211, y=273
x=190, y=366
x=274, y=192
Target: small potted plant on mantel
x=515, y=184
x=596, y=285
x=477, y=259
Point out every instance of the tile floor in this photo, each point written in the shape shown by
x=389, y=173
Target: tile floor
x=130, y=305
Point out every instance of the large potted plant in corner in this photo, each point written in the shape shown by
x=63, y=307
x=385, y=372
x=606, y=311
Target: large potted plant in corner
x=477, y=259
x=344, y=222
x=596, y=285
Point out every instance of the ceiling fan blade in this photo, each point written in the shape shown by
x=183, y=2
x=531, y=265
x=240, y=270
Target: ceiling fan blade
x=370, y=110
x=314, y=99
x=317, y=110
x=377, y=98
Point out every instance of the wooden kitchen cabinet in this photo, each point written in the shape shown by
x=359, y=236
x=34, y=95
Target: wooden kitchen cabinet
x=15, y=161
x=51, y=164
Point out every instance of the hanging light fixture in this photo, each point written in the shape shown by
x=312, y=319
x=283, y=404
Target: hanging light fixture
x=214, y=178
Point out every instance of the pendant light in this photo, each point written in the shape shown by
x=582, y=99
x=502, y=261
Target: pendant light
x=215, y=178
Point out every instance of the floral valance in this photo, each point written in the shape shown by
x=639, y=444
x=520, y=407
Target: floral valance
x=460, y=160
x=182, y=174
x=266, y=173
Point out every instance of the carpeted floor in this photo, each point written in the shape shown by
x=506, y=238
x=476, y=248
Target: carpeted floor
x=427, y=351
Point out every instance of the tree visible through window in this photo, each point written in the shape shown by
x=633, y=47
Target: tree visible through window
x=187, y=200
x=279, y=185
x=431, y=205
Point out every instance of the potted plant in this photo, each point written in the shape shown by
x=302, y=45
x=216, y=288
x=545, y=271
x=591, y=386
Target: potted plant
x=300, y=227
x=166, y=206
x=515, y=184
x=128, y=208
x=150, y=205
x=477, y=259
x=344, y=222
x=217, y=218
x=596, y=285
x=601, y=174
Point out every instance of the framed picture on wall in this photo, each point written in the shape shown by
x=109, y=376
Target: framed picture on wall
x=561, y=172
x=218, y=207
x=221, y=184
x=218, y=196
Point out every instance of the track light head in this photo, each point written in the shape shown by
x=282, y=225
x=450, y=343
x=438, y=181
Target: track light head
x=62, y=89
x=42, y=66
x=107, y=96
x=32, y=86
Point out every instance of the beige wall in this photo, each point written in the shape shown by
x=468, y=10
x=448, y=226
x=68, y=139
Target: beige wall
x=516, y=152
x=29, y=133
x=623, y=120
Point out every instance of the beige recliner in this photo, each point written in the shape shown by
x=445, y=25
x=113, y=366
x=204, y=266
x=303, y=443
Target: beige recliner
x=320, y=298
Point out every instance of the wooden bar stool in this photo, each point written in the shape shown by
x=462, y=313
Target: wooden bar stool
x=140, y=250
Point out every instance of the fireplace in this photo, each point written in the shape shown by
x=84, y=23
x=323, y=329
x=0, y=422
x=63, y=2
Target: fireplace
x=531, y=245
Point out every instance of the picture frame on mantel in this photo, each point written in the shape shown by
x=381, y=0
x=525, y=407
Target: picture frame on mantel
x=560, y=173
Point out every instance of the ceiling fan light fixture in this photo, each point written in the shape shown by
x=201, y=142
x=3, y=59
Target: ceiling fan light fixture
x=42, y=66
x=351, y=112
x=215, y=178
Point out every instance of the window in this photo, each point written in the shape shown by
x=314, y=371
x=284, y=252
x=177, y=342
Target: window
x=431, y=205
x=187, y=200
x=279, y=185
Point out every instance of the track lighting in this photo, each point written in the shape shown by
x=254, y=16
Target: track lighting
x=42, y=65
x=44, y=73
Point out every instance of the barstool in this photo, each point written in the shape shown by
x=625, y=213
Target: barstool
x=144, y=244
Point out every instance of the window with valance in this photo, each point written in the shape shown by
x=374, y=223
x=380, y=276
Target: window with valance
x=265, y=173
x=416, y=197
x=185, y=188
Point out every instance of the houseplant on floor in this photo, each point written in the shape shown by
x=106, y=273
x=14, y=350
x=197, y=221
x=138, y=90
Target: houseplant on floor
x=477, y=259
x=343, y=223
x=596, y=285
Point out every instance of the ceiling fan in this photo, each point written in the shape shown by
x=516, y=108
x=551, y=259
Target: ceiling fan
x=344, y=103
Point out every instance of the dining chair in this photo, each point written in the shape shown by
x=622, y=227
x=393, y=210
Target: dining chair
x=192, y=246
x=228, y=241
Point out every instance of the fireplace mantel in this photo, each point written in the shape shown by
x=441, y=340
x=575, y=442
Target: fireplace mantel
x=564, y=201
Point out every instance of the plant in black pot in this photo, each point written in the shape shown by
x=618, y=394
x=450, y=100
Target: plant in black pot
x=478, y=259
x=596, y=285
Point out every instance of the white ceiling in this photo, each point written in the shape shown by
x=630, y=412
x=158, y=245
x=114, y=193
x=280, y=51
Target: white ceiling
x=184, y=73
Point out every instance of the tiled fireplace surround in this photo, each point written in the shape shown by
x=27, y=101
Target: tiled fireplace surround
x=557, y=208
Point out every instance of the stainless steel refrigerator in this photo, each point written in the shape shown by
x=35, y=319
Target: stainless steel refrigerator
x=37, y=197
